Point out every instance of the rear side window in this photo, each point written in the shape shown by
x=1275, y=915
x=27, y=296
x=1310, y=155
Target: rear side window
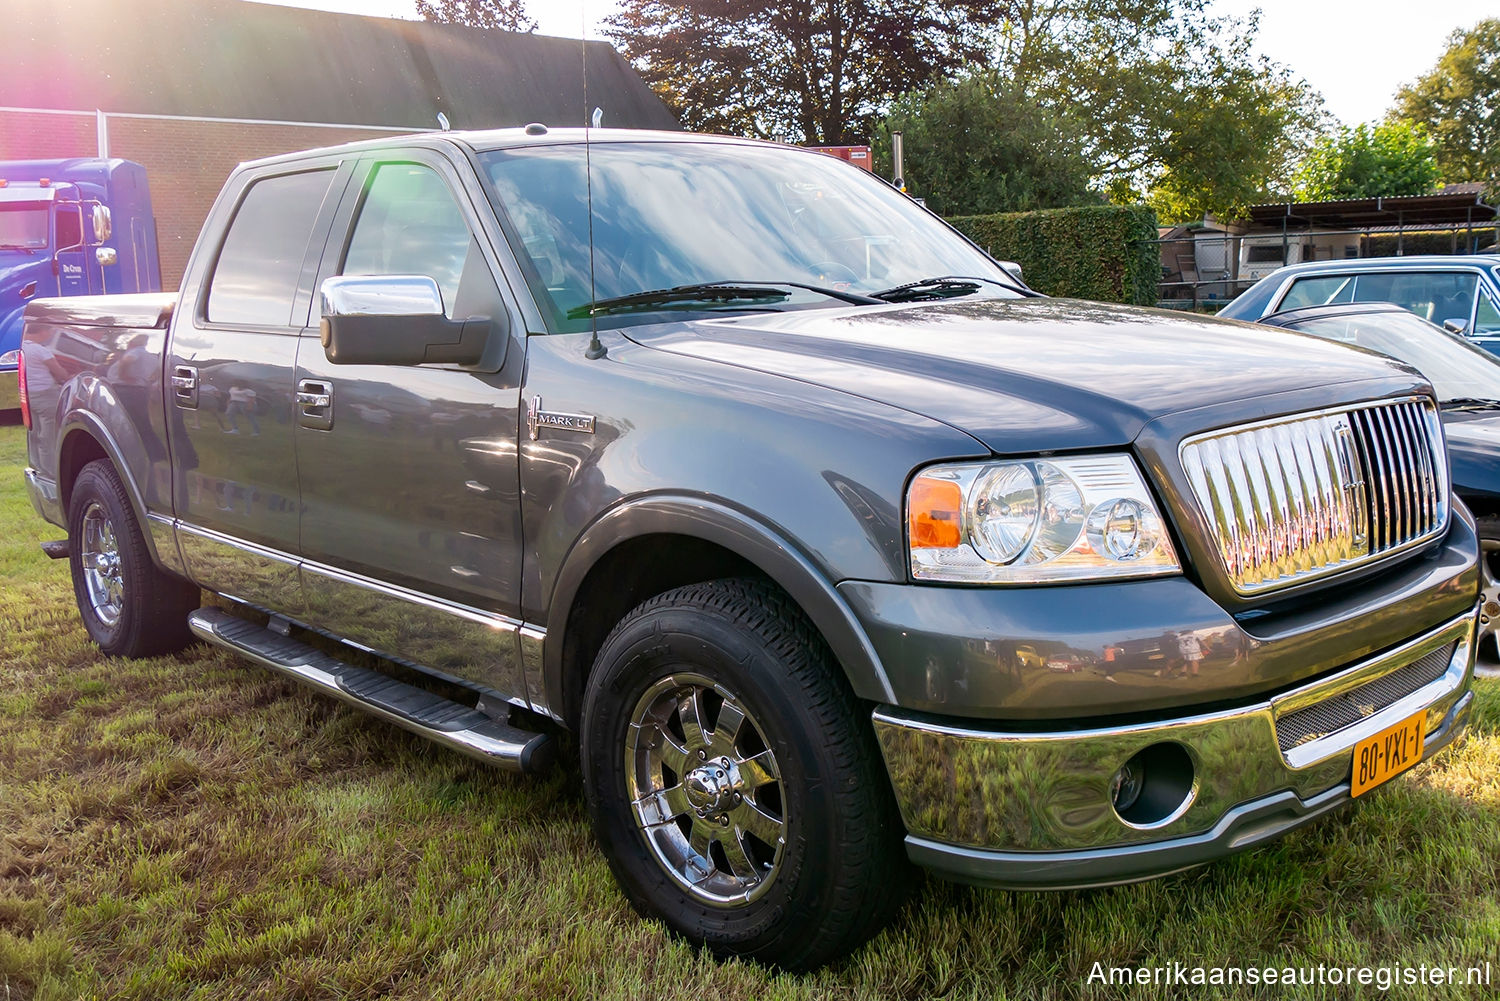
x=1317, y=292
x=1432, y=295
x=256, y=276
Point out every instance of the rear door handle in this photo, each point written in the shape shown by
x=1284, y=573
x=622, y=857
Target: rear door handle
x=315, y=404
x=185, y=386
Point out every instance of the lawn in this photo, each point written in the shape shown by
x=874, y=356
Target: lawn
x=194, y=827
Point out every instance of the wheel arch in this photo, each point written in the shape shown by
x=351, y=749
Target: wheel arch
x=83, y=438
x=684, y=540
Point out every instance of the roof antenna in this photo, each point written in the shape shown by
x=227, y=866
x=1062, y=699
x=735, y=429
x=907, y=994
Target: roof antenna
x=596, y=350
x=443, y=122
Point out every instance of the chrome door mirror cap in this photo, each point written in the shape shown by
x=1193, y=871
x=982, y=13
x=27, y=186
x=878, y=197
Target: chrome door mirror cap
x=1456, y=326
x=381, y=295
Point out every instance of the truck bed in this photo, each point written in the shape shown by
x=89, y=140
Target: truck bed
x=138, y=309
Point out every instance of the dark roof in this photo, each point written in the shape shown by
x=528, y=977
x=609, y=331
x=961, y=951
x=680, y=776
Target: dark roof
x=1446, y=208
x=232, y=59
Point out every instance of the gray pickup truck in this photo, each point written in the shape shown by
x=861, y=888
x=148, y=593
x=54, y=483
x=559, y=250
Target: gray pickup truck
x=834, y=546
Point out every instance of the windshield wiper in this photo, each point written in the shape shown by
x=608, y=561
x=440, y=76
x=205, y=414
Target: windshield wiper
x=1469, y=403
x=725, y=292
x=941, y=287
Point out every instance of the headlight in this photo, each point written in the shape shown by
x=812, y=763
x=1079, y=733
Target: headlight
x=1035, y=520
x=11, y=358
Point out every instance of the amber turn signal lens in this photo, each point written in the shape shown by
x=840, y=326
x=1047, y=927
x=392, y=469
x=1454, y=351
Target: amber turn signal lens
x=932, y=508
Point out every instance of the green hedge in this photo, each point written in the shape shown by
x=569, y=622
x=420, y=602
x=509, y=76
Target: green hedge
x=1103, y=252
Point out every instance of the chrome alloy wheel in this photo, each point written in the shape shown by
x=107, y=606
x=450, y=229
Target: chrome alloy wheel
x=1487, y=655
x=103, y=575
x=705, y=790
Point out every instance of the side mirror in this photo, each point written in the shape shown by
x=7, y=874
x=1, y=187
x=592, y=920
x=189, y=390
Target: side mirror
x=103, y=223
x=1457, y=325
x=106, y=256
x=395, y=320
x=1013, y=269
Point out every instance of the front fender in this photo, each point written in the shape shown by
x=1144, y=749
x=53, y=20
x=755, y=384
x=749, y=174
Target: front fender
x=745, y=536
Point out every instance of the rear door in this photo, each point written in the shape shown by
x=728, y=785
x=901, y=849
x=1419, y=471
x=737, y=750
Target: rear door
x=410, y=508
x=230, y=370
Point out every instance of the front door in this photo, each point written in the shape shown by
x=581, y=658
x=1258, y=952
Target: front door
x=410, y=525
x=231, y=386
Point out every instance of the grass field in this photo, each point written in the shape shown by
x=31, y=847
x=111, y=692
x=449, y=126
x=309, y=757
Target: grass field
x=193, y=827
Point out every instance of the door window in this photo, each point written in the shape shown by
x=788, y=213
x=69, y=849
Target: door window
x=69, y=230
x=260, y=264
x=1433, y=295
x=409, y=224
x=1487, y=318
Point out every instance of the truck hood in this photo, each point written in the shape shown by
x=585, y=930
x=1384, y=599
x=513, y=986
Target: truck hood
x=1028, y=375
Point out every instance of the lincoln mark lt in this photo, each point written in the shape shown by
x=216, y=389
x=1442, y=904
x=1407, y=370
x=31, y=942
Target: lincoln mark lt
x=832, y=546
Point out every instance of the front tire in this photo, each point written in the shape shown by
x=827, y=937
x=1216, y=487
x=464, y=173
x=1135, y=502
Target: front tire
x=129, y=606
x=1487, y=654
x=733, y=779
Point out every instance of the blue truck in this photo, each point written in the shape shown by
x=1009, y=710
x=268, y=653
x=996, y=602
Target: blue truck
x=81, y=226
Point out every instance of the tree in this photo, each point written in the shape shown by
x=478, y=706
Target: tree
x=1368, y=162
x=509, y=15
x=1458, y=103
x=975, y=146
x=1232, y=133
x=809, y=71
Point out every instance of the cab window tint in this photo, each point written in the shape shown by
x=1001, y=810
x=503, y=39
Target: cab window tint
x=1433, y=295
x=256, y=276
x=69, y=231
x=1317, y=292
x=409, y=224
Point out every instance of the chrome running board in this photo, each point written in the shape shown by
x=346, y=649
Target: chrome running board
x=452, y=724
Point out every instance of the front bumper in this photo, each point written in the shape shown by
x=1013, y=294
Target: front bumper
x=1032, y=809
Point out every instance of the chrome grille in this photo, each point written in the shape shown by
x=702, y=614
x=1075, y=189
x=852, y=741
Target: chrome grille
x=1302, y=497
x=1347, y=708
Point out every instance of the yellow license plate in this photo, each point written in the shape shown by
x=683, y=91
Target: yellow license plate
x=1389, y=752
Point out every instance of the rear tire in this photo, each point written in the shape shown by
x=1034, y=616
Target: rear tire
x=733, y=779
x=129, y=606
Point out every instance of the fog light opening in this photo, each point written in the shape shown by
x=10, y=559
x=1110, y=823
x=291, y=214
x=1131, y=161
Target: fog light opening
x=1154, y=787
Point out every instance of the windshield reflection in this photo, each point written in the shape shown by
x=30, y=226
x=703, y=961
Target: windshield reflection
x=680, y=213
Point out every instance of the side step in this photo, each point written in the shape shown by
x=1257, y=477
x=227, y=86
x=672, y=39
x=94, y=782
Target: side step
x=470, y=731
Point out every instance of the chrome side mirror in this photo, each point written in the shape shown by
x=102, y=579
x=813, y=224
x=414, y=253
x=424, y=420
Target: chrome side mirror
x=395, y=320
x=103, y=223
x=1013, y=269
x=106, y=256
x=1456, y=325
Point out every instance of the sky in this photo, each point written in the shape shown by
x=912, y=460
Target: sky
x=1356, y=53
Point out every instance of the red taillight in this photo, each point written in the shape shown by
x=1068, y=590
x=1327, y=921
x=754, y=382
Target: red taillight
x=21, y=390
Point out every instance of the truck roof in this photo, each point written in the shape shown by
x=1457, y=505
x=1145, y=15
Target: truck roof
x=490, y=139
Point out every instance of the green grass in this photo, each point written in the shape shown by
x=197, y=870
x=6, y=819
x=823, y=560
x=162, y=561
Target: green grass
x=193, y=827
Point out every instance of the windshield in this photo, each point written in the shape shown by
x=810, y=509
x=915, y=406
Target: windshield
x=673, y=214
x=23, y=226
x=1456, y=369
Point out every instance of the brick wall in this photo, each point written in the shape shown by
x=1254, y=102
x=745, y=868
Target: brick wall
x=186, y=160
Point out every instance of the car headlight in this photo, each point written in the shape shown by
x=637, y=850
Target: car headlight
x=11, y=358
x=1035, y=520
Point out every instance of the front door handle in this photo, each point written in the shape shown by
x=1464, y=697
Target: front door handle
x=185, y=386
x=315, y=404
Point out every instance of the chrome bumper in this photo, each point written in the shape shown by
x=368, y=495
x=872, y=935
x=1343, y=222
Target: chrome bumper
x=1033, y=809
